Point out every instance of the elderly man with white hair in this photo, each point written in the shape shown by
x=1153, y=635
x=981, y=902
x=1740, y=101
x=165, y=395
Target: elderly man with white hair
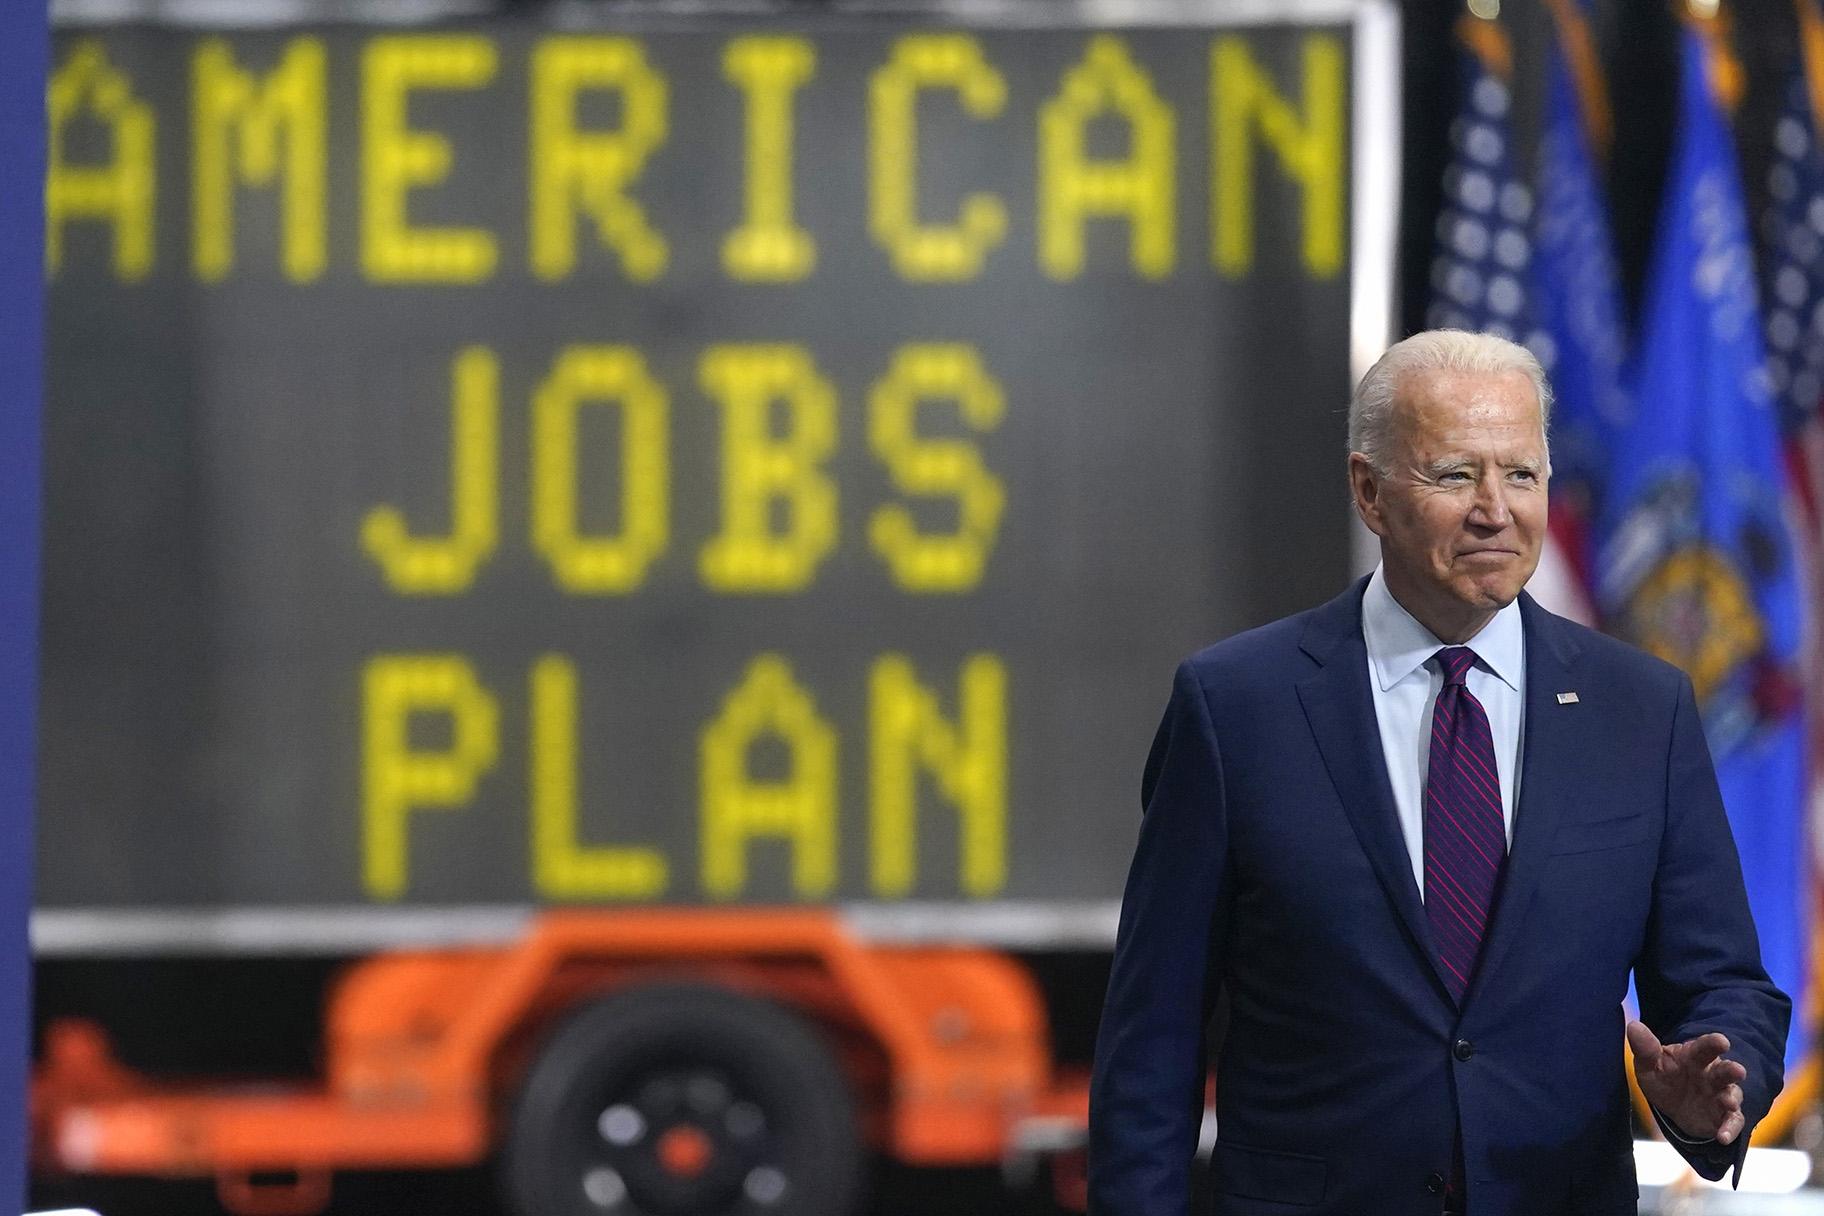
x=1420, y=836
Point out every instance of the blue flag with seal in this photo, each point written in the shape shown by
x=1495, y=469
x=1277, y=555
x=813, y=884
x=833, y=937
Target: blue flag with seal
x=1694, y=558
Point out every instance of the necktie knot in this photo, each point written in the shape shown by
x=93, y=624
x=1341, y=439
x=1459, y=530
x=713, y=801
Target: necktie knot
x=1456, y=662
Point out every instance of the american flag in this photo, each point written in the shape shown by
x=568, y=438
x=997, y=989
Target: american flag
x=1483, y=251
x=1479, y=264
x=1792, y=254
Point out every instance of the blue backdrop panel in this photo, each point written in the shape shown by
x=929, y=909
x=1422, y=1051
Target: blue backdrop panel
x=23, y=49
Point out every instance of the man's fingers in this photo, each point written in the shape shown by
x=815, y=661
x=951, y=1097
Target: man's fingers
x=1729, y=1128
x=1731, y=1097
x=1721, y=1072
x=1645, y=1045
x=1705, y=1048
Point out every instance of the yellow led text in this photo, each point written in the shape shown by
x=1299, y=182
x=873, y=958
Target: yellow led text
x=769, y=247
x=1243, y=98
x=600, y=375
x=1074, y=189
x=119, y=192
x=579, y=178
x=760, y=469
x=799, y=808
x=445, y=565
x=924, y=252
x=396, y=159
x=738, y=810
x=237, y=126
x=561, y=867
x=398, y=780
x=927, y=467
x=589, y=171
x=968, y=759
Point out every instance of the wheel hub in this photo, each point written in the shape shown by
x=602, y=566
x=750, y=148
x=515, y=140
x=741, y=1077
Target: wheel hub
x=679, y=1141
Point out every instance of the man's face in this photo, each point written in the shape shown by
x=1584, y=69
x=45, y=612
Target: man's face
x=1461, y=515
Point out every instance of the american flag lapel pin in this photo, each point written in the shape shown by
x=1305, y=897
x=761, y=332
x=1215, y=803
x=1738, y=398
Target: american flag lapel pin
x=1567, y=698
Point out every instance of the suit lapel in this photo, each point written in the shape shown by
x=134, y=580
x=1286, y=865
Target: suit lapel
x=1549, y=736
x=1340, y=709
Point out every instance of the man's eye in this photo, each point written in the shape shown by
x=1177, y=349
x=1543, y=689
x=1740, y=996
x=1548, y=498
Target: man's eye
x=1526, y=475
x=1456, y=477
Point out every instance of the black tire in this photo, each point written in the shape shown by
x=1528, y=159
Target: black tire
x=683, y=1100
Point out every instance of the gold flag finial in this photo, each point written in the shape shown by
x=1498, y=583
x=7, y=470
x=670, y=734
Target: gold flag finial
x=1586, y=71
x=1728, y=80
x=1811, y=55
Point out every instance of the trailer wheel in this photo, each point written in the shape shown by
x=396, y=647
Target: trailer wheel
x=683, y=1100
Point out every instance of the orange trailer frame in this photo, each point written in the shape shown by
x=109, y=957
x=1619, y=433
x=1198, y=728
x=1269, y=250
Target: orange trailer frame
x=946, y=1049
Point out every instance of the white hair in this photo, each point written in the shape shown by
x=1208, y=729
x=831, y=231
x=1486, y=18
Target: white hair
x=1434, y=350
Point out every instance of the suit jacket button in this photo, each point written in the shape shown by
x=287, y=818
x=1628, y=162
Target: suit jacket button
x=1463, y=1049
x=1434, y=1183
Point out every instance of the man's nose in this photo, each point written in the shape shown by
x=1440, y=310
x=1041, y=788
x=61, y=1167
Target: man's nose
x=1491, y=510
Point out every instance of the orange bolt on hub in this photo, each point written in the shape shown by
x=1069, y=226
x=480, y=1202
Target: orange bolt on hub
x=685, y=1150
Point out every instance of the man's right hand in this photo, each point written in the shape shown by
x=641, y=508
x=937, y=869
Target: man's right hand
x=1690, y=1084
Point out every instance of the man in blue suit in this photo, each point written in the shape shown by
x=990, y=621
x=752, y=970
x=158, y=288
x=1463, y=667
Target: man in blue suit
x=1420, y=836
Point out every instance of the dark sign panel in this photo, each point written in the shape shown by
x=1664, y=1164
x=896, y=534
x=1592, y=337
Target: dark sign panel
x=680, y=462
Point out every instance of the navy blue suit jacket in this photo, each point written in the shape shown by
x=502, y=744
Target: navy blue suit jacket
x=1271, y=862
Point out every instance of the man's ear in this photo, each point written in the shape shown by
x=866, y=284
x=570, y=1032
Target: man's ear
x=1365, y=488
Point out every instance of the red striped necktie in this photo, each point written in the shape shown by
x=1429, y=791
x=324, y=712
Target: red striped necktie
x=1465, y=835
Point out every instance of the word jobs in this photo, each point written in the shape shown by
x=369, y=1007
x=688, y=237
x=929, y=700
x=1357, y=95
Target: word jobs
x=778, y=500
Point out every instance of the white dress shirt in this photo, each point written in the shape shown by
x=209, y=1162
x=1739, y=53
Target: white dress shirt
x=1405, y=684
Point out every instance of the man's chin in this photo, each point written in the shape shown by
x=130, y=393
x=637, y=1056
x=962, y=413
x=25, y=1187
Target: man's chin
x=1490, y=594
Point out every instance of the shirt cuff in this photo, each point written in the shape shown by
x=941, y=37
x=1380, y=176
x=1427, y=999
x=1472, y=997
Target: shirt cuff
x=1676, y=1134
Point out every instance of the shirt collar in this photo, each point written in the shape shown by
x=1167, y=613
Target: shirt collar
x=1398, y=645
